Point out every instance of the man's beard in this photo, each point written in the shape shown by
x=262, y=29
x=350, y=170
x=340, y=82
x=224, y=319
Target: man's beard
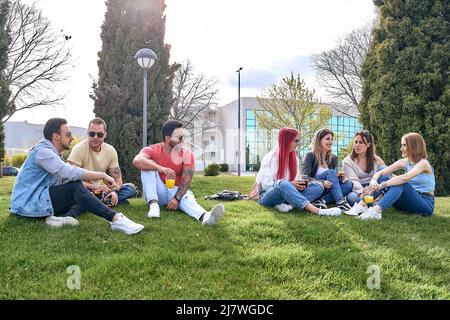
x=66, y=146
x=175, y=145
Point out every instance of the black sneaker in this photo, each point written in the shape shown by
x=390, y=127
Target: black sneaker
x=344, y=206
x=321, y=204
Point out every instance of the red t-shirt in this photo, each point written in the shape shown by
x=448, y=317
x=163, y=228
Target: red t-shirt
x=176, y=161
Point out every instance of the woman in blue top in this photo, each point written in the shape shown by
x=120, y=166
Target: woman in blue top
x=412, y=191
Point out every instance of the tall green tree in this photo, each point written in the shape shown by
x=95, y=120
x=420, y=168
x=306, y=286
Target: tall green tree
x=405, y=81
x=291, y=104
x=130, y=25
x=4, y=86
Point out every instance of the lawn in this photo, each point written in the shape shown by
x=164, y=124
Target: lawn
x=253, y=253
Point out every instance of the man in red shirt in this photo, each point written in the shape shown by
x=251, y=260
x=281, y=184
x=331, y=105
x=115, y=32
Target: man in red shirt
x=169, y=160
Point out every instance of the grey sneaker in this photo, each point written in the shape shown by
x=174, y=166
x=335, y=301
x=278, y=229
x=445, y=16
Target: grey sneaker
x=125, y=225
x=214, y=215
x=370, y=214
x=154, y=211
x=58, y=222
x=356, y=210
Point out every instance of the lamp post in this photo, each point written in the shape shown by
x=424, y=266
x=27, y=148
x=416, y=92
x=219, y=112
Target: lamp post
x=145, y=58
x=239, y=120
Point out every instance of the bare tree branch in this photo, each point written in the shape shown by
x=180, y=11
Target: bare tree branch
x=194, y=95
x=339, y=70
x=37, y=59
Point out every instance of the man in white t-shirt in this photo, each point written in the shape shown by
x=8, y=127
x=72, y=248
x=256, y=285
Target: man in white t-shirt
x=97, y=155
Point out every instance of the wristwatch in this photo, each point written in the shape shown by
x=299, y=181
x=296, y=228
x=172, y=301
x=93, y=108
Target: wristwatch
x=178, y=197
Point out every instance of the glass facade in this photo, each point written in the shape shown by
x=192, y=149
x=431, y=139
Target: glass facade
x=344, y=129
x=259, y=141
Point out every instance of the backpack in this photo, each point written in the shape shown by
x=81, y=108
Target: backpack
x=227, y=195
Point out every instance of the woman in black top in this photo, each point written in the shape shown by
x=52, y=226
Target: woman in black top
x=320, y=164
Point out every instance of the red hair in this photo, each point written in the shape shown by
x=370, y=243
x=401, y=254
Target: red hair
x=286, y=158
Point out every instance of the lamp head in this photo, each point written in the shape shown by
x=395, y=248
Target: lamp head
x=145, y=58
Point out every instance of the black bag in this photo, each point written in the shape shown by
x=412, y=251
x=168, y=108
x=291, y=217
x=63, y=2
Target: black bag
x=227, y=195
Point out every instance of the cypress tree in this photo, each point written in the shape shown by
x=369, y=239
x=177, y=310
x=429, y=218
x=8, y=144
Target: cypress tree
x=406, y=86
x=4, y=87
x=130, y=25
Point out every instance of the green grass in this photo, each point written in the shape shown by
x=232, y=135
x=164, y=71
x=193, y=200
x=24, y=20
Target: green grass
x=253, y=253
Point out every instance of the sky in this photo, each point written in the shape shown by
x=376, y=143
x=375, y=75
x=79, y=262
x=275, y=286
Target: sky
x=269, y=39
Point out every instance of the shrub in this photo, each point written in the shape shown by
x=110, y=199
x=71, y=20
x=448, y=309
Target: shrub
x=224, y=167
x=212, y=170
x=18, y=160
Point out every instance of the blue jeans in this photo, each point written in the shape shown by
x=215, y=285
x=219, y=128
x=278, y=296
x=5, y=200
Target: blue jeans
x=353, y=197
x=405, y=198
x=283, y=191
x=336, y=192
x=128, y=190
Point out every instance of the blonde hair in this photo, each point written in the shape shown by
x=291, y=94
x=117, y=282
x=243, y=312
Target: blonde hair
x=316, y=147
x=416, y=148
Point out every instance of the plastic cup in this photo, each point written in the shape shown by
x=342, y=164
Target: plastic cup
x=368, y=199
x=304, y=179
x=170, y=183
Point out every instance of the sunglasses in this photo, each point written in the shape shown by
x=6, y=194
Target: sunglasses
x=180, y=138
x=297, y=141
x=93, y=133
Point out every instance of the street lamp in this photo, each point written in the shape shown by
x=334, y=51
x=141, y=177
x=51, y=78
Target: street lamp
x=145, y=58
x=239, y=120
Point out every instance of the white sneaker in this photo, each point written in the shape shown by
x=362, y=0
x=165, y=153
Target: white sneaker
x=283, y=207
x=370, y=214
x=154, y=210
x=331, y=212
x=61, y=221
x=125, y=225
x=214, y=215
x=356, y=210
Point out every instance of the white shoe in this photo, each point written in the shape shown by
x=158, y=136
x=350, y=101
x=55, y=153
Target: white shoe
x=61, y=221
x=331, y=212
x=283, y=207
x=214, y=215
x=370, y=214
x=125, y=225
x=154, y=211
x=356, y=210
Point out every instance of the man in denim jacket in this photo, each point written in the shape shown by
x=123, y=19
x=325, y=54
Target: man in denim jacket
x=48, y=187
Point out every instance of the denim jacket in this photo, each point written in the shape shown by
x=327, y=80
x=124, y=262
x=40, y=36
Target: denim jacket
x=30, y=195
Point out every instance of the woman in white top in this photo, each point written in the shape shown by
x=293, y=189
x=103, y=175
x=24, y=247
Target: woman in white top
x=279, y=178
x=361, y=164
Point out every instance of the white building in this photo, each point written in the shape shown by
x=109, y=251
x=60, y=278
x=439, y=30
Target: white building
x=216, y=140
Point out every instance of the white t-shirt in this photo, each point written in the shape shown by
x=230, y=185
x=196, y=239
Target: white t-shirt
x=320, y=170
x=267, y=173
